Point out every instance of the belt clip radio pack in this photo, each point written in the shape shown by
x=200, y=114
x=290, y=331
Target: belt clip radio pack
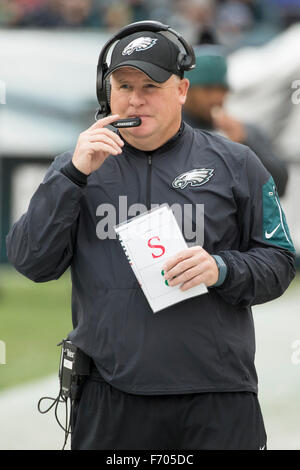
x=74, y=367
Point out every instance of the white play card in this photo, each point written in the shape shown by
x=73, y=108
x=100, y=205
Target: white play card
x=148, y=241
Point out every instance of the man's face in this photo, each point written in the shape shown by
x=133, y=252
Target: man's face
x=202, y=100
x=158, y=105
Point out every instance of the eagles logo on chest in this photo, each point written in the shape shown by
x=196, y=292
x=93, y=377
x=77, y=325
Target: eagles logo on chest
x=196, y=177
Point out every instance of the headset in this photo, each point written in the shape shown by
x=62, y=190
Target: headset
x=185, y=60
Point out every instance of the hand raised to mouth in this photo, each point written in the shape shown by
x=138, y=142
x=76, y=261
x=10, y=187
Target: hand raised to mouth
x=95, y=144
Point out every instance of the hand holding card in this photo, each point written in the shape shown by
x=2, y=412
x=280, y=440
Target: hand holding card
x=148, y=241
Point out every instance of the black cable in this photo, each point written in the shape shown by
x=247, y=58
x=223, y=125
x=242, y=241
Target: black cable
x=68, y=426
x=56, y=401
x=70, y=384
x=47, y=398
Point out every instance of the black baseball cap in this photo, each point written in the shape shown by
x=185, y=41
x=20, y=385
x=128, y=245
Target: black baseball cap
x=152, y=53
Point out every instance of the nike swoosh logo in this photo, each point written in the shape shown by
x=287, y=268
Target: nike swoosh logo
x=262, y=448
x=270, y=235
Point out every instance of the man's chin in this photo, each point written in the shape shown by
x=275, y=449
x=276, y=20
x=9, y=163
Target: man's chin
x=142, y=131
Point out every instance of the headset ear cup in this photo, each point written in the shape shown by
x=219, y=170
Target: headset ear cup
x=103, y=95
x=180, y=58
x=184, y=62
x=107, y=87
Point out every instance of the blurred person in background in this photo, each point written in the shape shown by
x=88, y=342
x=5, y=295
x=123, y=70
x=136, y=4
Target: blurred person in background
x=242, y=22
x=163, y=11
x=204, y=109
x=140, y=9
x=76, y=13
x=42, y=14
x=116, y=15
x=234, y=17
x=192, y=17
x=14, y=12
x=63, y=14
x=289, y=10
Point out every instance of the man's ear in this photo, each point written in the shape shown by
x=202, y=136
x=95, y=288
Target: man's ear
x=183, y=87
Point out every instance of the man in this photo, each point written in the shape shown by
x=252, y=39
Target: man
x=183, y=378
x=204, y=109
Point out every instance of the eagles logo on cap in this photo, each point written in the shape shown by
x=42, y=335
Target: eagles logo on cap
x=140, y=44
x=150, y=52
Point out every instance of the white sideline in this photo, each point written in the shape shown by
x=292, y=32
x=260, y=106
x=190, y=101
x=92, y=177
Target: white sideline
x=22, y=426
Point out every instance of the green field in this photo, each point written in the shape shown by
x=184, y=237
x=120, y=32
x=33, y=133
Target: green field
x=34, y=317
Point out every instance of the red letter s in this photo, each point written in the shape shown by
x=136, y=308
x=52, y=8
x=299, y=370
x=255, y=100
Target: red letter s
x=161, y=247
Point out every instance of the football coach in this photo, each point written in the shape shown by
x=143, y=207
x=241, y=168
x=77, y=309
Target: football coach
x=183, y=378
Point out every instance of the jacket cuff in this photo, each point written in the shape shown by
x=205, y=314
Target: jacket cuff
x=75, y=175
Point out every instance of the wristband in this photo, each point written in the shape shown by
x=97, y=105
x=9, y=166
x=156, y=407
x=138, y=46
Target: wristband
x=222, y=270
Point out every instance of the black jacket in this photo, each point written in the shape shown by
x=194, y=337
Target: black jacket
x=203, y=344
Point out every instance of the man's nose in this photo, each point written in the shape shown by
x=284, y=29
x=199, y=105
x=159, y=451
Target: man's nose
x=136, y=97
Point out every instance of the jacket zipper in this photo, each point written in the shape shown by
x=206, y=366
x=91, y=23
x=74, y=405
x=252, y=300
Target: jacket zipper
x=149, y=173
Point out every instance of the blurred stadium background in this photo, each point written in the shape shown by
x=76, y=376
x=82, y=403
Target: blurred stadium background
x=48, y=56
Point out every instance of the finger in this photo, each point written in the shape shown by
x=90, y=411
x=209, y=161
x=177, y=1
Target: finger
x=196, y=281
x=185, y=277
x=181, y=256
x=106, y=148
x=180, y=268
x=105, y=139
x=105, y=121
x=107, y=132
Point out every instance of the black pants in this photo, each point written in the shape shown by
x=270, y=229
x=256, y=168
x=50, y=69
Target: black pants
x=109, y=419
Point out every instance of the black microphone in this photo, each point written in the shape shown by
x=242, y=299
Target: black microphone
x=129, y=122
x=120, y=123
